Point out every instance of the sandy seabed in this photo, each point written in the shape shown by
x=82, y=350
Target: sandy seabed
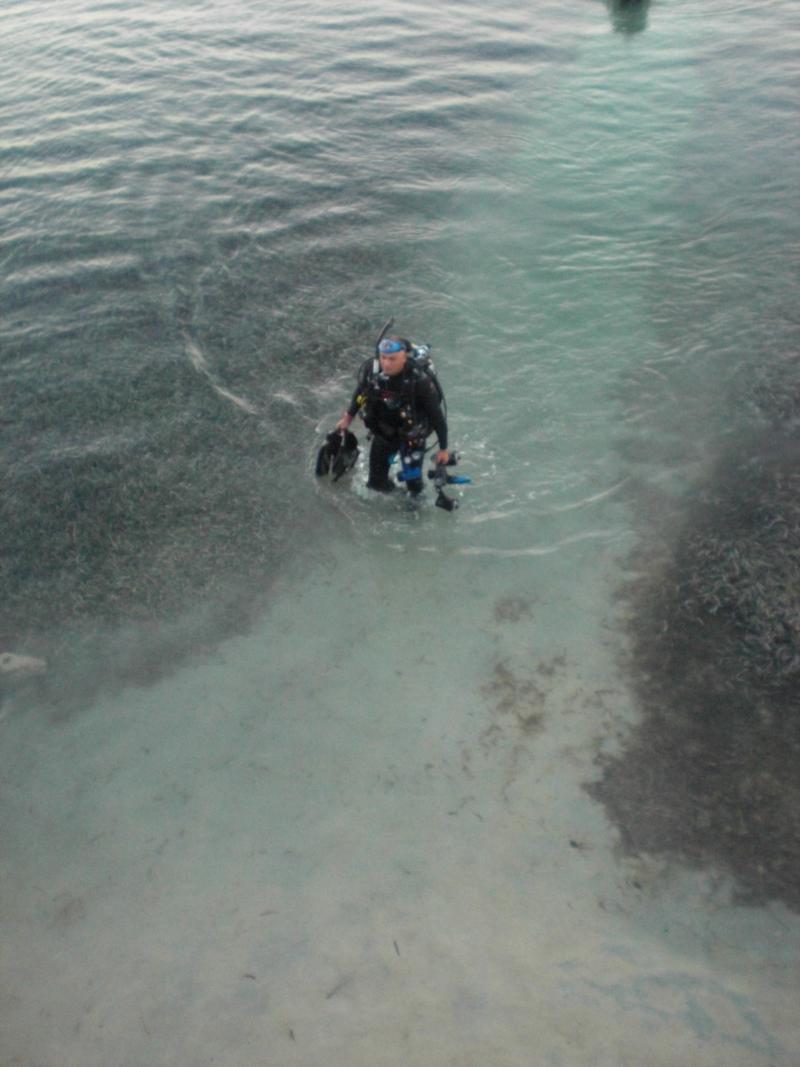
x=358, y=835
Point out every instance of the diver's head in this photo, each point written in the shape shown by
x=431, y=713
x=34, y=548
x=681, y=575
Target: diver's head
x=393, y=355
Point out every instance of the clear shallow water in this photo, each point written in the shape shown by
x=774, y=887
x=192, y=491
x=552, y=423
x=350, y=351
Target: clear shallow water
x=592, y=215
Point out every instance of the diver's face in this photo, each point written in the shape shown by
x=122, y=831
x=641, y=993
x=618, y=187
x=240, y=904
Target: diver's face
x=392, y=363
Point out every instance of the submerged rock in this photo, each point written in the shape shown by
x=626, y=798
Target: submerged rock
x=628, y=16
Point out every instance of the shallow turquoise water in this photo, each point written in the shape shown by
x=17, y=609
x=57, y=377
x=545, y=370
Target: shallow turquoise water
x=206, y=216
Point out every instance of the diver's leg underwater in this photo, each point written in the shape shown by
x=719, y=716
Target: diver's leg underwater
x=380, y=460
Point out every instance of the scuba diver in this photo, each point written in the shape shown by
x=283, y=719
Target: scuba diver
x=401, y=402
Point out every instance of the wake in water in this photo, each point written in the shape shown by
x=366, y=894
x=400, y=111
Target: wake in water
x=200, y=364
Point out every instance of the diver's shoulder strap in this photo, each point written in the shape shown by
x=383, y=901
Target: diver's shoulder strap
x=423, y=369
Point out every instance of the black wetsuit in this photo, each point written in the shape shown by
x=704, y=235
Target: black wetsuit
x=400, y=411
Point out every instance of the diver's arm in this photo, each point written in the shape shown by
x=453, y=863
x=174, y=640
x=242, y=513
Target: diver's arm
x=440, y=426
x=436, y=417
x=352, y=408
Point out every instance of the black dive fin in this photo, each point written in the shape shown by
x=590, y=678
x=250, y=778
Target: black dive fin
x=338, y=455
x=323, y=461
x=346, y=456
x=327, y=454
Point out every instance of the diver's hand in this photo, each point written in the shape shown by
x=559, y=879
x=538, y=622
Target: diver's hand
x=344, y=421
x=442, y=456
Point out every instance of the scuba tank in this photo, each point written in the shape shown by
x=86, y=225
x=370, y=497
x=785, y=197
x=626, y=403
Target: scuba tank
x=420, y=357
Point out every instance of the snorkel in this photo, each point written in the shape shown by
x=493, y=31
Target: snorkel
x=382, y=334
